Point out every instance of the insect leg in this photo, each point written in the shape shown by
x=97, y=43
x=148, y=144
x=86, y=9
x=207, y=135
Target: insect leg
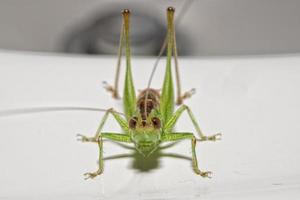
x=181, y=136
x=172, y=121
x=188, y=94
x=117, y=137
x=129, y=98
x=115, y=89
x=100, y=162
x=117, y=117
x=167, y=94
x=111, y=136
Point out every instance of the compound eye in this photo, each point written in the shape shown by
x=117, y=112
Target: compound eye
x=133, y=122
x=156, y=122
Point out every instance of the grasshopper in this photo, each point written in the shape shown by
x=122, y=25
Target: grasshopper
x=149, y=117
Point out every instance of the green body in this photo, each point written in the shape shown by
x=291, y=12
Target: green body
x=147, y=132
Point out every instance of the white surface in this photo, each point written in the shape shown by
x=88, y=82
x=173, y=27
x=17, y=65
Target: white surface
x=254, y=102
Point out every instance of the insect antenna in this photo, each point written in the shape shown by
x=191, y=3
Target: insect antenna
x=20, y=111
x=186, y=6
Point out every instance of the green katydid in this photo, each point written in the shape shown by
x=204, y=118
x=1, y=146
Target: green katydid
x=150, y=117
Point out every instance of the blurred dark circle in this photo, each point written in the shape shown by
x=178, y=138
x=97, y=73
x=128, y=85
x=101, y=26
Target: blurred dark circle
x=102, y=35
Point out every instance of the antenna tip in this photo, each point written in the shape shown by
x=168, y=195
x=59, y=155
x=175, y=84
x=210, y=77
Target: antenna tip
x=171, y=9
x=126, y=12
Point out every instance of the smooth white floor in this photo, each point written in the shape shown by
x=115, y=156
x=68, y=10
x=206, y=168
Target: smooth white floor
x=254, y=102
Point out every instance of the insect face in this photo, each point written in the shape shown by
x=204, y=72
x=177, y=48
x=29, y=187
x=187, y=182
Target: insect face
x=145, y=134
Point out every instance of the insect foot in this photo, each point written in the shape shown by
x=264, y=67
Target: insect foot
x=186, y=95
x=204, y=174
x=211, y=137
x=215, y=137
x=92, y=175
x=83, y=138
x=109, y=88
x=207, y=174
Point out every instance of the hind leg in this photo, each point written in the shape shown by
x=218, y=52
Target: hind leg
x=187, y=94
x=113, y=89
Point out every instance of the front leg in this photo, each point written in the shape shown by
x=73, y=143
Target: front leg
x=116, y=137
x=92, y=175
x=123, y=124
x=112, y=136
x=181, y=136
x=172, y=121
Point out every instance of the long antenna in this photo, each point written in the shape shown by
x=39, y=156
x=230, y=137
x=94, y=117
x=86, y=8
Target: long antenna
x=32, y=110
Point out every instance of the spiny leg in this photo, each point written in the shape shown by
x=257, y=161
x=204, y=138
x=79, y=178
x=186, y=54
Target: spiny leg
x=181, y=136
x=117, y=137
x=172, y=121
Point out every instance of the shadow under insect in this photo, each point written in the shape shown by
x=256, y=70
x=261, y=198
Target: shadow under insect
x=151, y=162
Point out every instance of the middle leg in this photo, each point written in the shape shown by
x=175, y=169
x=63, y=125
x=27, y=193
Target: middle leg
x=117, y=117
x=172, y=121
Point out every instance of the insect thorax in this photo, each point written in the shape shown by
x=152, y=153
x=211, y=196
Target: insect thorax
x=148, y=100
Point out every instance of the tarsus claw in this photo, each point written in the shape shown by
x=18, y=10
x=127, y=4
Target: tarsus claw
x=107, y=87
x=215, y=137
x=91, y=175
x=206, y=174
x=111, y=89
x=83, y=138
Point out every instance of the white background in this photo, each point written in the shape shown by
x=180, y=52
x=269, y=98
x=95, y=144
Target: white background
x=254, y=102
